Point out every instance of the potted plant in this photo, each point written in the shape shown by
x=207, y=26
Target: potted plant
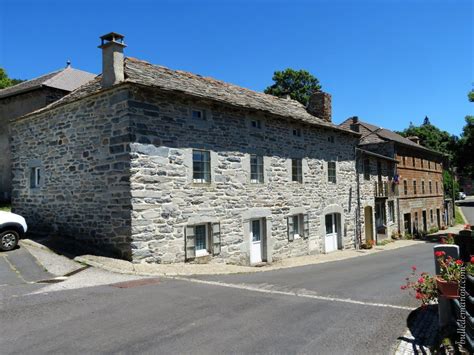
x=423, y=286
x=450, y=273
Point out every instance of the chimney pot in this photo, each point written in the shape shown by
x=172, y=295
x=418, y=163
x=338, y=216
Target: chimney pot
x=319, y=105
x=112, y=45
x=414, y=139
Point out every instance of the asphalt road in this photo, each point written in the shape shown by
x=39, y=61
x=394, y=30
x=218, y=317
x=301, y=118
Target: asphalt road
x=344, y=307
x=467, y=207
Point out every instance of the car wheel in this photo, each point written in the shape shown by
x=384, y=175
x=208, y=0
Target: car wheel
x=8, y=240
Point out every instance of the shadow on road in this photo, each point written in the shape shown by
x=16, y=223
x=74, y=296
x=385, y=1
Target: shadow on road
x=423, y=326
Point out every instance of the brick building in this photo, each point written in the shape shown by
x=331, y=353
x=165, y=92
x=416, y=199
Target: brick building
x=26, y=97
x=157, y=165
x=419, y=176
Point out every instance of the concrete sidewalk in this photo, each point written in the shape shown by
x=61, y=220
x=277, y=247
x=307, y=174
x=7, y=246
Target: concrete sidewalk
x=186, y=269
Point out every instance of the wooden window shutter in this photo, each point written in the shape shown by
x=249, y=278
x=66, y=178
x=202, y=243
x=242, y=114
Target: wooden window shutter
x=216, y=238
x=291, y=230
x=306, y=225
x=190, y=243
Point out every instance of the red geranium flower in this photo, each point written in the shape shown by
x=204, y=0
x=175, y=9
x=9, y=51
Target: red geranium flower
x=439, y=254
x=472, y=259
x=419, y=295
x=421, y=280
x=413, y=268
x=459, y=262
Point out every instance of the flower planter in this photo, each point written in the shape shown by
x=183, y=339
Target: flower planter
x=449, y=289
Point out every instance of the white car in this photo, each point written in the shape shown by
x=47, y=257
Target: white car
x=12, y=228
x=462, y=196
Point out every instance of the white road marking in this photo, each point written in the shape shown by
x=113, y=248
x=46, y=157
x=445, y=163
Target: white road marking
x=297, y=293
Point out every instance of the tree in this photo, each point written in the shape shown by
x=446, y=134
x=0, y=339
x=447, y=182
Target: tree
x=433, y=138
x=471, y=96
x=465, y=157
x=5, y=81
x=299, y=84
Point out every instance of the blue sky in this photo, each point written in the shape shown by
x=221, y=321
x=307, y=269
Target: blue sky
x=387, y=61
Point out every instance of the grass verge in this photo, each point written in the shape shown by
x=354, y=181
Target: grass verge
x=5, y=207
x=459, y=219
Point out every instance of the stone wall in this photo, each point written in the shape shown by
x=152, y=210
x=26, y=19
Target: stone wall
x=368, y=198
x=165, y=200
x=10, y=108
x=82, y=152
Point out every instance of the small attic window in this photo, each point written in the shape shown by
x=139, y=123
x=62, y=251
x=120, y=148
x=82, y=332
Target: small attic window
x=297, y=132
x=331, y=139
x=197, y=114
x=256, y=124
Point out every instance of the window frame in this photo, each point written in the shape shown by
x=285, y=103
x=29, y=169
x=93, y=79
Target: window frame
x=258, y=124
x=332, y=168
x=415, y=192
x=205, y=251
x=391, y=211
x=296, y=131
x=206, y=177
x=297, y=170
x=423, y=187
x=259, y=167
x=35, y=177
x=405, y=187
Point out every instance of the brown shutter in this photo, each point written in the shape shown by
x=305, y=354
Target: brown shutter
x=216, y=238
x=190, y=243
x=291, y=231
x=306, y=225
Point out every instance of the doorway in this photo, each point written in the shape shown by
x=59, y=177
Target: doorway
x=423, y=215
x=256, y=241
x=407, y=223
x=369, y=224
x=332, y=222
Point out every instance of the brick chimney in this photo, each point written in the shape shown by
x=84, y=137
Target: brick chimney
x=112, y=59
x=414, y=139
x=319, y=105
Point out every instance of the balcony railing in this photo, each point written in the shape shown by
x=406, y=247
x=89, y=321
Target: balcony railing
x=386, y=189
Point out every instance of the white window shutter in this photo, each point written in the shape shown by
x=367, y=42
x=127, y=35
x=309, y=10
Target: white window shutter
x=190, y=243
x=291, y=231
x=216, y=238
x=306, y=225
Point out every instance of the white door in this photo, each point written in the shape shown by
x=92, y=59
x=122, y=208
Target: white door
x=330, y=239
x=256, y=231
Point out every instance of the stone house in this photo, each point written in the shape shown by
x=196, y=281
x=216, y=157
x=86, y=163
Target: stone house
x=419, y=176
x=157, y=165
x=26, y=97
x=378, y=195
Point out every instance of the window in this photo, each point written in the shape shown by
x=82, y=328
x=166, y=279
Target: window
x=405, y=187
x=332, y=171
x=297, y=132
x=202, y=240
x=367, y=169
x=421, y=161
x=197, y=114
x=256, y=169
x=423, y=187
x=413, y=161
x=430, y=186
x=391, y=211
x=437, y=187
x=256, y=124
x=201, y=166
x=414, y=187
x=35, y=177
x=200, y=233
x=431, y=216
x=404, y=162
x=429, y=164
x=297, y=170
x=379, y=170
x=331, y=139
x=298, y=226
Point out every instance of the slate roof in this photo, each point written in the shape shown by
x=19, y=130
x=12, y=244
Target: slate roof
x=379, y=134
x=67, y=79
x=168, y=80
